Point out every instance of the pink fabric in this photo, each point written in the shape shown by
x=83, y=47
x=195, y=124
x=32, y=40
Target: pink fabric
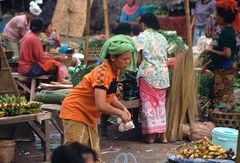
x=153, y=108
x=130, y=10
x=12, y=28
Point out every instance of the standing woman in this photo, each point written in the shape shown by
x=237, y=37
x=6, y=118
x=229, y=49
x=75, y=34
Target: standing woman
x=17, y=27
x=224, y=52
x=153, y=78
x=95, y=94
x=203, y=10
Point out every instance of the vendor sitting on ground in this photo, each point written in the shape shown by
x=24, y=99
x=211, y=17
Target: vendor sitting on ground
x=50, y=35
x=17, y=27
x=32, y=60
x=95, y=94
x=131, y=12
x=223, y=53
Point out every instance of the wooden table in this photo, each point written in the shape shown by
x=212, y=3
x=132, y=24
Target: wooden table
x=40, y=129
x=56, y=121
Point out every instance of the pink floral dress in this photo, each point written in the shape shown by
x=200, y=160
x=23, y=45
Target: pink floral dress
x=153, y=78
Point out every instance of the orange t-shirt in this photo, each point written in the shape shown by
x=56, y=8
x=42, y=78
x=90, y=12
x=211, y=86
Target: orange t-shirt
x=79, y=105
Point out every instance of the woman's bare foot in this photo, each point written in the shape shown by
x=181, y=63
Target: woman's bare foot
x=149, y=139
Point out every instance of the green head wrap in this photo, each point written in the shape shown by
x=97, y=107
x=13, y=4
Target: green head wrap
x=119, y=44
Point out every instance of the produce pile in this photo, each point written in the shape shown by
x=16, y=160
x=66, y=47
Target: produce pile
x=224, y=107
x=93, y=43
x=79, y=72
x=176, y=43
x=160, y=11
x=236, y=83
x=13, y=106
x=205, y=149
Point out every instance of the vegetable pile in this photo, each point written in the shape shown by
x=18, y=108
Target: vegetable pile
x=236, y=83
x=79, y=72
x=93, y=43
x=224, y=107
x=161, y=12
x=205, y=149
x=176, y=44
x=13, y=106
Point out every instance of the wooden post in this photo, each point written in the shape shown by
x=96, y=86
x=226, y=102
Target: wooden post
x=85, y=61
x=106, y=18
x=188, y=24
x=189, y=105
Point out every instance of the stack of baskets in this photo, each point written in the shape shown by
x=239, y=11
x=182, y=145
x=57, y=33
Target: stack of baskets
x=231, y=120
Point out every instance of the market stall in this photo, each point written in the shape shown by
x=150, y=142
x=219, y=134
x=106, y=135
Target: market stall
x=41, y=129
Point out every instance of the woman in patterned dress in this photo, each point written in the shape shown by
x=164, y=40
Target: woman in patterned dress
x=153, y=78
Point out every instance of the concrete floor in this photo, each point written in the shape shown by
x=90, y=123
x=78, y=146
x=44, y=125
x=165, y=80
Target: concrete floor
x=111, y=146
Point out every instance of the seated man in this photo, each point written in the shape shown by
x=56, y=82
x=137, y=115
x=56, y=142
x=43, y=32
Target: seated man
x=32, y=60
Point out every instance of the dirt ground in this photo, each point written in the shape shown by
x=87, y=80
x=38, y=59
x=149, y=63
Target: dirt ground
x=111, y=146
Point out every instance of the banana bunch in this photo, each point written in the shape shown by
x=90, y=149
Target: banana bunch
x=12, y=106
x=203, y=149
x=12, y=102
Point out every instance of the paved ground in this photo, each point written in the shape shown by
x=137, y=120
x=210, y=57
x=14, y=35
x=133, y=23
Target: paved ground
x=115, y=143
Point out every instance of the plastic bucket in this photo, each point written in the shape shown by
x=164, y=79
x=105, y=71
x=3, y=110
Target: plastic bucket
x=225, y=137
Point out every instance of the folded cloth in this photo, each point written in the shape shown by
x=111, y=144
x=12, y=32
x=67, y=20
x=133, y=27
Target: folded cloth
x=34, y=8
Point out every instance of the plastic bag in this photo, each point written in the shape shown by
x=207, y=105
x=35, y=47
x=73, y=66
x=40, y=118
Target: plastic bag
x=125, y=157
x=126, y=126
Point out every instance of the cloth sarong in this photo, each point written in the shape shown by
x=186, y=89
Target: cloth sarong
x=223, y=86
x=76, y=131
x=35, y=71
x=48, y=64
x=153, y=108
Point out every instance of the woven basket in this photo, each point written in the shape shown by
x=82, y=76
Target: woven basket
x=231, y=120
x=7, y=150
x=93, y=53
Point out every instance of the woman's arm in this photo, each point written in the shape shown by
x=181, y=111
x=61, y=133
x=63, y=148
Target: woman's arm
x=225, y=53
x=22, y=32
x=139, y=59
x=116, y=103
x=103, y=106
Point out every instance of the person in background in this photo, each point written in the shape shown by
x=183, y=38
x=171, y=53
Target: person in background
x=32, y=60
x=123, y=28
x=95, y=94
x=131, y=12
x=136, y=30
x=17, y=27
x=73, y=153
x=203, y=10
x=223, y=52
x=50, y=34
x=153, y=76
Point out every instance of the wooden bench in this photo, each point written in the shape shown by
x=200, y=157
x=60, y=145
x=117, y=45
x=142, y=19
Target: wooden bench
x=23, y=80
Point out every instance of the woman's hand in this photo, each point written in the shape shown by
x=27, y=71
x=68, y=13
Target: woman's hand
x=125, y=117
x=128, y=113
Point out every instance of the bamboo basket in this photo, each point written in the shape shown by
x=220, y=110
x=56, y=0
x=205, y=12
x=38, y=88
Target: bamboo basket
x=7, y=150
x=231, y=120
x=93, y=53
